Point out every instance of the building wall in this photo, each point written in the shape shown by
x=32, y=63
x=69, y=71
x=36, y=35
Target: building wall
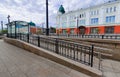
x=102, y=29
x=105, y=14
x=34, y=30
x=117, y=29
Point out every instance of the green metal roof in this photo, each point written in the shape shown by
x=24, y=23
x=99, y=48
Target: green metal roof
x=61, y=9
x=31, y=23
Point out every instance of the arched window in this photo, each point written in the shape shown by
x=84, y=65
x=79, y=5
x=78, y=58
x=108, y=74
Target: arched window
x=110, y=9
x=106, y=10
x=114, y=9
x=80, y=16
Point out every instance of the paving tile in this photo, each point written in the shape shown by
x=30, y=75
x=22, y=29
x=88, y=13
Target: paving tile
x=62, y=68
x=74, y=73
x=110, y=68
x=16, y=62
x=5, y=74
x=109, y=74
x=117, y=74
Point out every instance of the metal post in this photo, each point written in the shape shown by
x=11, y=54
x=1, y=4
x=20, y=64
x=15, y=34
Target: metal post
x=47, y=27
x=8, y=24
x=92, y=53
x=2, y=26
x=15, y=30
x=77, y=26
x=28, y=33
x=56, y=46
x=38, y=41
x=99, y=56
x=28, y=28
x=20, y=36
x=102, y=36
x=28, y=37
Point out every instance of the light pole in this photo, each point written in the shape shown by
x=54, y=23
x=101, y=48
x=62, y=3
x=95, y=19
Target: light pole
x=28, y=28
x=8, y=24
x=43, y=27
x=2, y=26
x=77, y=23
x=47, y=27
x=15, y=29
x=8, y=19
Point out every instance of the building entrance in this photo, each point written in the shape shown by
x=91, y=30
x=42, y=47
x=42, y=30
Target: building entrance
x=82, y=29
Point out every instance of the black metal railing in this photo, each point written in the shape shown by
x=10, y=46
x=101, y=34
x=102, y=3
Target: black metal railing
x=71, y=50
x=99, y=36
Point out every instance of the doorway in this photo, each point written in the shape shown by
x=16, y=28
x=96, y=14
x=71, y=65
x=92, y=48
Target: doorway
x=82, y=29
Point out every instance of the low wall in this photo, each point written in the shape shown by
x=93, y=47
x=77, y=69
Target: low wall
x=110, y=49
x=54, y=57
x=110, y=42
x=113, y=47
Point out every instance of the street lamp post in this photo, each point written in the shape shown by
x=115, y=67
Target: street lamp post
x=15, y=29
x=77, y=23
x=77, y=26
x=28, y=33
x=8, y=24
x=43, y=27
x=47, y=27
x=2, y=26
x=28, y=28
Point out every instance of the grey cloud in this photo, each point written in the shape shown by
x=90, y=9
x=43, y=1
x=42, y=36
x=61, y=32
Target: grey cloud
x=37, y=8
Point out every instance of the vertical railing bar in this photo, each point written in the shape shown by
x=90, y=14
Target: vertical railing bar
x=92, y=53
x=56, y=44
x=89, y=56
x=38, y=41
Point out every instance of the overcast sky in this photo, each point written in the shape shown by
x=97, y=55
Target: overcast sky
x=34, y=10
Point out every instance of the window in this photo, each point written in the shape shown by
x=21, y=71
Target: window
x=64, y=31
x=107, y=10
x=97, y=12
x=94, y=12
x=110, y=19
x=71, y=17
x=91, y=12
x=114, y=9
x=94, y=21
x=110, y=9
x=64, y=25
x=84, y=14
x=81, y=22
x=94, y=30
x=109, y=30
x=72, y=24
x=80, y=15
x=64, y=19
x=72, y=31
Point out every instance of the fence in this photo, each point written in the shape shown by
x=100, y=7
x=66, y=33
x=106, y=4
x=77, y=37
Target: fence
x=105, y=36
x=71, y=50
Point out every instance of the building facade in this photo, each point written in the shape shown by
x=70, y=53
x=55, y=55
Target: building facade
x=99, y=19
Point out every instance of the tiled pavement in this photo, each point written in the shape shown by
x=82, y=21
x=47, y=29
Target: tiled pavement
x=16, y=62
x=110, y=68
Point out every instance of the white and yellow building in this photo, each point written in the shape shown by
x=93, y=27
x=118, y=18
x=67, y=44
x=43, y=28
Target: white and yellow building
x=99, y=19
